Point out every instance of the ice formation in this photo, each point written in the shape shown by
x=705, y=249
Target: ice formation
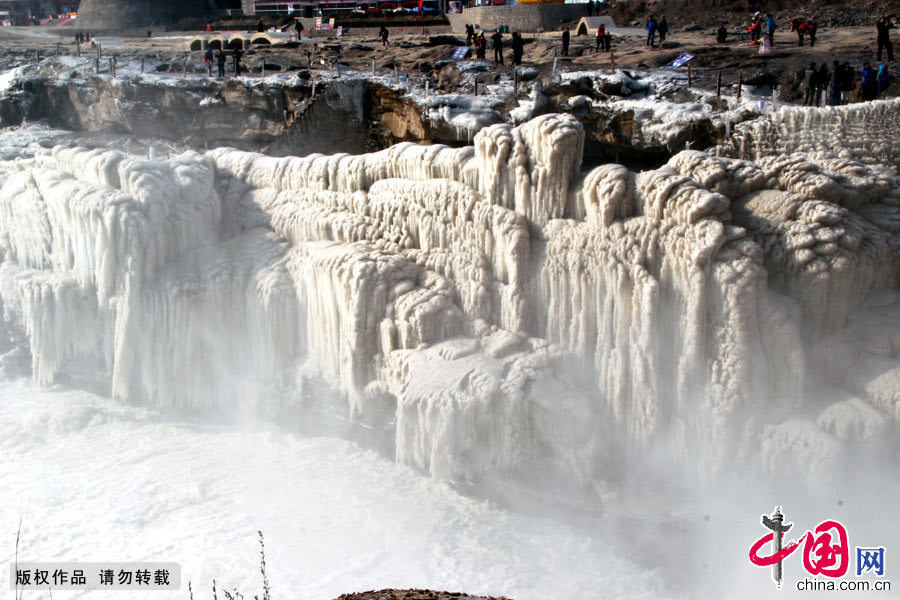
x=866, y=132
x=498, y=303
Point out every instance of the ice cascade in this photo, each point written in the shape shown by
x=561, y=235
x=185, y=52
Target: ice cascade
x=496, y=303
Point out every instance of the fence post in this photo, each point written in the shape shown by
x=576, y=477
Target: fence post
x=740, y=84
x=719, y=85
x=690, y=78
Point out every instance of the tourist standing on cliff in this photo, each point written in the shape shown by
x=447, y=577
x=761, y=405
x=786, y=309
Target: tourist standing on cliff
x=770, y=28
x=883, y=78
x=867, y=82
x=565, y=42
x=846, y=82
x=822, y=78
x=518, y=47
x=480, y=46
x=384, y=36
x=810, y=82
x=651, y=32
x=220, y=60
x=663, y=28
x=470, y=34
x=497, y=45
x=236, y=55
x=883, y=27
x=834, y=97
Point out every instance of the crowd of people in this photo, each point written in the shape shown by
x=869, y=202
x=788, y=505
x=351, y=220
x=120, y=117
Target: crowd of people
x=835, y=86
x=479, y=43
x=477, y=40
x=820, y=85
x=221, y=58
x=762, y=29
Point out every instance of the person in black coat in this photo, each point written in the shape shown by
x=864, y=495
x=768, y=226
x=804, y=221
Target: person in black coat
x=220, y=61
x=565, y=42
x=236, y=55
x=497, y=45
x=823, y=76
x=884, y=26
x=834, y=85
x=518, y=47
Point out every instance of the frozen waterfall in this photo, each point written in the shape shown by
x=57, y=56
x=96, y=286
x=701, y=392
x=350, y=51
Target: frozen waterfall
x=497, y=302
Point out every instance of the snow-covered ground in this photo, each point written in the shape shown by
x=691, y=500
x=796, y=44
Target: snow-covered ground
x=95, y=480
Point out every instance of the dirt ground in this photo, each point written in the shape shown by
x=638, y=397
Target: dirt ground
x=423, y=49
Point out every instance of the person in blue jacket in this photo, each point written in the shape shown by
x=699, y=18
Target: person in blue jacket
x=770, y=27
x=884, y=78
x=867, y=82
x=651, y=32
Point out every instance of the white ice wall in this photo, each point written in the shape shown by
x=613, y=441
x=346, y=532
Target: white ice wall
x=865, y=131
x=507, y=306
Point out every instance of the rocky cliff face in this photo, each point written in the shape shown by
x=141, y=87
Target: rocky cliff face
x=286, y=119
x=294, y=113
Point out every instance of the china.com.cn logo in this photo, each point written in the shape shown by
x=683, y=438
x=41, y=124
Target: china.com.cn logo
x=826, y=550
